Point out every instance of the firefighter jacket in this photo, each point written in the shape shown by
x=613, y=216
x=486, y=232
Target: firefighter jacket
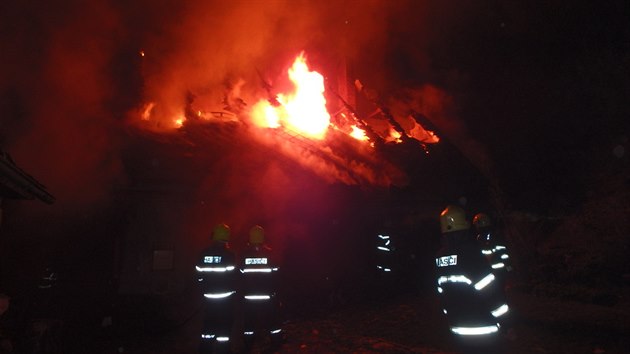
x=470, y=297
x=495, y=251
x=258, y=289
x=216, y=271
x=258, y=273
x=385, y=253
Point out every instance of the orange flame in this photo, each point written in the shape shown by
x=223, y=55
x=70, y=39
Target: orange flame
x=303, y=110
x=358, y=133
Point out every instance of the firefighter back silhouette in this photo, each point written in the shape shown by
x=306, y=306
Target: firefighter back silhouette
x=470, y=297
x=258, y=288
x=217, y=276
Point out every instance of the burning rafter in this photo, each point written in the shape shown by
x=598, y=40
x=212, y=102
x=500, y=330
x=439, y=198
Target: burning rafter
x=339, y=147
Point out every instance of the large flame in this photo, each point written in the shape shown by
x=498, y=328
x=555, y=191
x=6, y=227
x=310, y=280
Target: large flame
x=303, y=110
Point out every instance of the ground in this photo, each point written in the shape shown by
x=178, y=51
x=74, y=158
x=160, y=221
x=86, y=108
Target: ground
x=413, y=323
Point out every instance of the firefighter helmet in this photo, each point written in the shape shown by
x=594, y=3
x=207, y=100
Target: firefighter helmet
x=482, y=220
x=256, y=235
x=221, y=233
x=453, y=218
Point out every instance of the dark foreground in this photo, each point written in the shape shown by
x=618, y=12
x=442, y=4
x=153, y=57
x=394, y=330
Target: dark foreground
x=413, y=323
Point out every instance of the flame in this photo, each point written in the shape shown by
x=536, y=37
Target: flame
x=303, y=110
x=358, y=133
x=179, y=121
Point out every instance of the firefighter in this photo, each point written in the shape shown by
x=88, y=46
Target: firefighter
x=260, y=304
x=492, y=247
x=468, y=292
x=217, y=276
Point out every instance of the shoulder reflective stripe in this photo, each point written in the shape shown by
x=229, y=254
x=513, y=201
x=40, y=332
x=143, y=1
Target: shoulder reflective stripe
x=384, y=237
x=475, y=331
x=454, y=279
x=498, y=265
x=218, y=295
x=257, y=270
x=257, y=297
x=499, y=247
x=500, y=311
x=248, y=333
x=484, y=281
x=214, y=269
x=207, y=336
x=276, y=331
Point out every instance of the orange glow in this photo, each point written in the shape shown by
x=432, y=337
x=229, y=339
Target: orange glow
x=358, y=133
x=303, y=110
x=179, y=121
x=147, y=109
x=394, y=136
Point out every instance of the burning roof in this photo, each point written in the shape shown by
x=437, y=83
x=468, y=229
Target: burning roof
x=293, y=118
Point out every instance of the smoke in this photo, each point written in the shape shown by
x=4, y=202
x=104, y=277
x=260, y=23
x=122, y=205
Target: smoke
x=71, y=68
x=55, y=88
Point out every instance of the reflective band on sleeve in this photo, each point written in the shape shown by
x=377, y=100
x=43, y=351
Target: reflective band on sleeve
x=454, y=279
x=276, y=331
x=440, y=290
x=486, y=252
x=498, y=265
x=500, y=311
x=499, y=247
x=445, y=312
x=248, y=333
x=475, y=331
x=383, y=248
x=257, y=297
x=214, y=269
x=223, y=339
x=384, y=269
x=384, y=237
x=218, y=295
x=504, y=256
x=484, y=281
x=207, y=336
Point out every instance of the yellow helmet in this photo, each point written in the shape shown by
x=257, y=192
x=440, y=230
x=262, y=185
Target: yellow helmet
x=221, y=233
x=256, y=235
x=453, y=218
x=482, y=220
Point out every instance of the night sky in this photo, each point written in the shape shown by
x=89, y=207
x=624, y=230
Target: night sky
x=539, y=88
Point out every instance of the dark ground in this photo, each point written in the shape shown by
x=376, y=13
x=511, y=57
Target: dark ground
x=413, y=323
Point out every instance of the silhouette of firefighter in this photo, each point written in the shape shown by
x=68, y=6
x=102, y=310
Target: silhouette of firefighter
x=493, y=247
x=217, y=276
x=471, y=298
x=261, y=307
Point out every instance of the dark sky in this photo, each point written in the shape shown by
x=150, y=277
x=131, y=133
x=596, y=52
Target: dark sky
x=538, y=88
